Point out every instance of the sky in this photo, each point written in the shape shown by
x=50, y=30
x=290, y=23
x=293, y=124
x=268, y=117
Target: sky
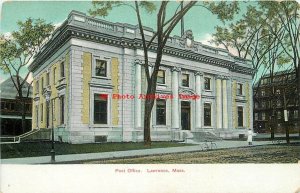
x=198, y=19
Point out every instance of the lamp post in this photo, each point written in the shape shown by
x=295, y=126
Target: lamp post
x=47, y=94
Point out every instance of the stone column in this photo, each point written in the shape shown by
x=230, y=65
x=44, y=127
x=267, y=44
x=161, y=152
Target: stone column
x=175, y=100
x=198, y=116
x=219, y=101
x=225, y=111
x=138, y=91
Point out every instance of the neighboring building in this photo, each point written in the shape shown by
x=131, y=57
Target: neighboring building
x=11, y=111
x=94, y=70
x=271, y=97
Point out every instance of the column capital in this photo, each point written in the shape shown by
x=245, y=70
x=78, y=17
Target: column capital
x=198, y=73
x=138, y=62
x=219, y=77
x=174, y=68
x=222, y=77
x=226, y=77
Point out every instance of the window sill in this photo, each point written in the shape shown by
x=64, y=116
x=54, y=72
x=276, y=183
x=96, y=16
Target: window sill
x=99, y=125
x=185, y=86
x=160, y=84
x=102, y=77
x=155, y=126
x=207, y=127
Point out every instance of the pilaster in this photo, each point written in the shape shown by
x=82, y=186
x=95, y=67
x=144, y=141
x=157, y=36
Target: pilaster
x=198, y=115
x=219, y=101
x=175, y=100
x=138, y=91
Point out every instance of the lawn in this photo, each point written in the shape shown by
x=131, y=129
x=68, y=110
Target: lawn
x=258, y=154
x=32, y=149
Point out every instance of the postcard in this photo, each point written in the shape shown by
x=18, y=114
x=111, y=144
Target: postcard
x=150, y=96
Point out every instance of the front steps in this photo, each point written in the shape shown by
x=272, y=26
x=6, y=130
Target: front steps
x=33, y=135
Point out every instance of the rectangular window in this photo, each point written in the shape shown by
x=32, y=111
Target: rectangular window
x=100, y=108
x=47, y=79
x=259, y=116
x=207, y=114
x=161, y=112
x=28, y=107
x=263, y=116
x=54, y=75
x=7, y=106
x=37, y=115
x=256, y=116
x=42, y=112
x=262, y=93
x=295, y=114
x=240, y=117
x=3, y=106
x=185, y=80
x=62, y=110
x=279, y=115
x=239, y=89
x=161, y=77
x=101, y=68
x=207, y=83
x=62, y=69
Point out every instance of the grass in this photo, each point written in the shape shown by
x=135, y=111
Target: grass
x=258, y=154
x=32, y=149
x=264, y=138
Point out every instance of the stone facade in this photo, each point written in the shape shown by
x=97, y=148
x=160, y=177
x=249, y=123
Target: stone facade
x=84, y=99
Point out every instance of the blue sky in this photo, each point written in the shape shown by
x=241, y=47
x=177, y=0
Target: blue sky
x=198, y=19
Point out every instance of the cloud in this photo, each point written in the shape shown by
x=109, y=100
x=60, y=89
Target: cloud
x=206, y=39
x=57, y=25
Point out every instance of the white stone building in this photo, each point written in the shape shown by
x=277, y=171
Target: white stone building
x=94, y=70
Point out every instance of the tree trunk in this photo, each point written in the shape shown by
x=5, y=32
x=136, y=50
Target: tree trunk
x=147, y=119
x=272, y=129
x=298, y=90
x=149, y=101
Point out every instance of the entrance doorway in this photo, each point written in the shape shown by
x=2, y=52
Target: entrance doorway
x=185, y=115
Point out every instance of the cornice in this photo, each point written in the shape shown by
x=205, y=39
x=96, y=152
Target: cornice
x=67, y=32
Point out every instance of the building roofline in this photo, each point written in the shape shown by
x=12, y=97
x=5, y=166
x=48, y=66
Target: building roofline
x=79, y=25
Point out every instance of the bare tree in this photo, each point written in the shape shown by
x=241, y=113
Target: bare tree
x=17, y=51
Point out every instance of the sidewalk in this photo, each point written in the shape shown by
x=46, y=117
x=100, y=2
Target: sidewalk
x=127, y=154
